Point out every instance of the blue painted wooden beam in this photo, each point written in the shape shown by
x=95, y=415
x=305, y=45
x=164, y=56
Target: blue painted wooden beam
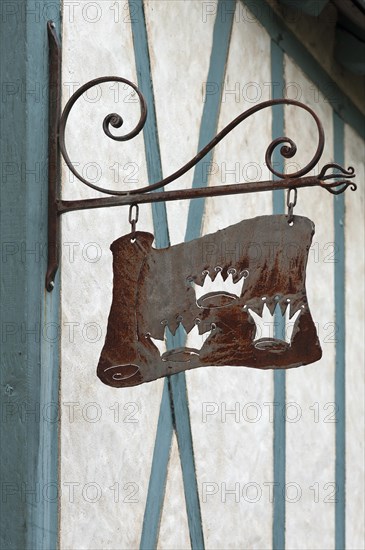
x=157, y=482
x=150, y=130
x=340, y=370
x=208, y=129
x=212, y=101
x=29, y=350
x=279, y=443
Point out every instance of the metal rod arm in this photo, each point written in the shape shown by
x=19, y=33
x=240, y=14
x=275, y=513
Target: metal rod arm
x=194, y=193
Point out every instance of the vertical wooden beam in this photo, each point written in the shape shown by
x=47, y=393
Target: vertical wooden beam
x=29, y=315
x=340, y=370
x=278, y=536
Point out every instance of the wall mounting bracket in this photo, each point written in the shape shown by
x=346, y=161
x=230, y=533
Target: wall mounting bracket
x=334, y=182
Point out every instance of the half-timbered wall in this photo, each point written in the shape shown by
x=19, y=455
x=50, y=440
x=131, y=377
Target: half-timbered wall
x=219, y=457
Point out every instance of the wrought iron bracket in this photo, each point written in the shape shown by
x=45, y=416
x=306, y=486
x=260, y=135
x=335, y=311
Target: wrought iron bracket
x=54, y=112
x=56, y=144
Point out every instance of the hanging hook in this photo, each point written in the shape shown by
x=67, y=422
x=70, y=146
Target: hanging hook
x=291, y=204
x=133, y=220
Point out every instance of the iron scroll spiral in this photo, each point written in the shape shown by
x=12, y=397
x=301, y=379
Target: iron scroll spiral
x=112, y=119
x=288, y=147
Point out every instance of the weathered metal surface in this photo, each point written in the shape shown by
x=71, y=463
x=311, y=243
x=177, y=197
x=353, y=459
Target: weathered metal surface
x=335, y=187
x=288, y=147
x=53, y=153
x=155, y=290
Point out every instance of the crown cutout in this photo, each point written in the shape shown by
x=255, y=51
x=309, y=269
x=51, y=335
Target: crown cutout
x=274, y=331
x=219, y=289
x=194, y=335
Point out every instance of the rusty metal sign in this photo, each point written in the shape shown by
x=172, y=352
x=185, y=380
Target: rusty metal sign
x=242, y=289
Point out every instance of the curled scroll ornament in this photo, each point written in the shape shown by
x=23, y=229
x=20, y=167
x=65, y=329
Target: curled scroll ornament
x=287, y=150
x=339, y=185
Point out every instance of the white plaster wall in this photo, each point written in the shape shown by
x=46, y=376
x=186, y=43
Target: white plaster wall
x=232, y=452
x=310, y=443
x=113, y=452
x=355, y=382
